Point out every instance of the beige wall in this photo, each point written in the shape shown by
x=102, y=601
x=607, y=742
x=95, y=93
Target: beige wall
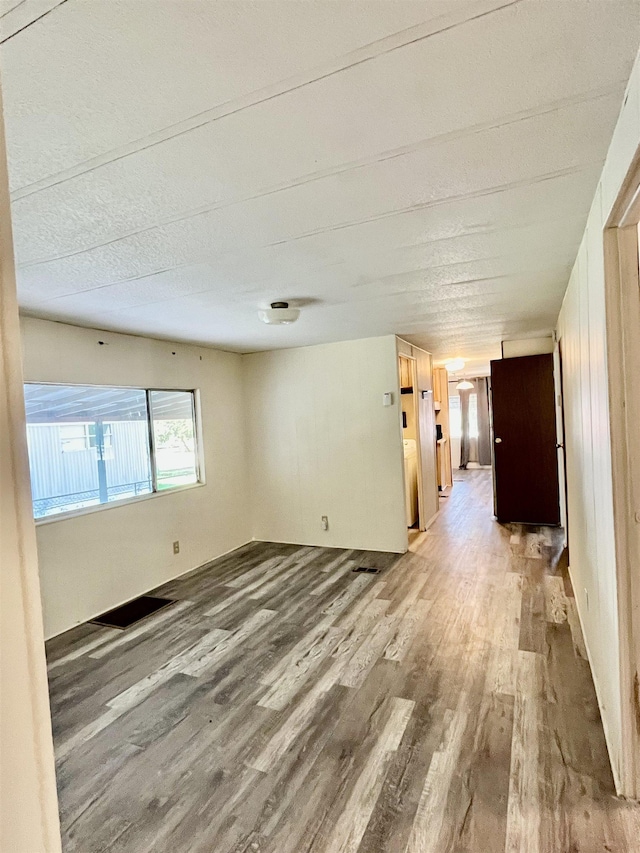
x=582, y=334
x=28, y=803
x=322, y=443
x=90, y=563
x=527, y=346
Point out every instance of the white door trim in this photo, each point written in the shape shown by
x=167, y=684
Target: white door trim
x=622, y=294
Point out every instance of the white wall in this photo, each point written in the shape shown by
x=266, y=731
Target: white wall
x=588, y=458
x=582, y=333
x=321, y=443
x=90, y=563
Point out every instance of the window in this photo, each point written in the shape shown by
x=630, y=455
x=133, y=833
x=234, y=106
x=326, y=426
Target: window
x=93, y=445
x=73, y=438
x=455, y=416
x=174, y=438
x=473, y=415
x=93, y=436
x=76, y=437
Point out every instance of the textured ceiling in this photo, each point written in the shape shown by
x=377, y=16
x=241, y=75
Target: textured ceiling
x=419, y=168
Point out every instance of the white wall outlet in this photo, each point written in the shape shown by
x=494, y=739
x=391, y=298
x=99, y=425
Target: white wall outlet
x=387, y=399
x=325, y=522
x=176, y=547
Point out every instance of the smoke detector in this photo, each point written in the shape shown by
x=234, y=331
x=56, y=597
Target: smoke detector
x=279, y=314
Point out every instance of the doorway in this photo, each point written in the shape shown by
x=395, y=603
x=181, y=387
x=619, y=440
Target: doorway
x=417, y=422
x=469, y=411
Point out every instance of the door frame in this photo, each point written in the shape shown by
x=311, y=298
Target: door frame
x=622, y=306
x=422, y=378
x=560, y=439
x=413, y=366
x=422, y=520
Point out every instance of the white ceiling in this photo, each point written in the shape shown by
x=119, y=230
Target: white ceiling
x=419, y=167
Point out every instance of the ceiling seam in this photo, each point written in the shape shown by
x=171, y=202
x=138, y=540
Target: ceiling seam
x=12, y=9
x=31, y=23
x=496, y=190
x=78, y=170
x=345, y=168
x=141, y=277
x=483, y=193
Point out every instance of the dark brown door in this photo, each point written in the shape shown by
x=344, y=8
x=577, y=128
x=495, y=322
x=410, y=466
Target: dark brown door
x=524, y=435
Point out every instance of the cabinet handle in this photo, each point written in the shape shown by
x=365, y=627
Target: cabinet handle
x=498, y=441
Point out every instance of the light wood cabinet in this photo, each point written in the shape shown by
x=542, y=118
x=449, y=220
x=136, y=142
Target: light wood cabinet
x=441, y=386
x=441, y=399
x=405, y=372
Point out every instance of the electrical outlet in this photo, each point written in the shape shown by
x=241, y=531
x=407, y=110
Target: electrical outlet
x=176, y=547
x=325, y=522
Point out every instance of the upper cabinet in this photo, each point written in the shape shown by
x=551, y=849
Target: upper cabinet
x=440, y=387
x=405, y=372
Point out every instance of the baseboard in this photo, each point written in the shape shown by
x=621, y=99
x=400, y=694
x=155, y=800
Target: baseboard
x=335, y=547
x=432, y=520
x=202, y=565
x=605, y=725
x=147, y=591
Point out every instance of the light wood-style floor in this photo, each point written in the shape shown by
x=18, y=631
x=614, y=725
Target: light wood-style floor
x=288, y=704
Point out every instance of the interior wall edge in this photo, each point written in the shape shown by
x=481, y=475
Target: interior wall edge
x=29, y=817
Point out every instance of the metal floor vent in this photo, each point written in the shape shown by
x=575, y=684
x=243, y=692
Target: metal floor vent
x=132, y=612
x=368, y=569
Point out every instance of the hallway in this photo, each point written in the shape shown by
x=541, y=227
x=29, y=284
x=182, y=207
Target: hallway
x=288, y=704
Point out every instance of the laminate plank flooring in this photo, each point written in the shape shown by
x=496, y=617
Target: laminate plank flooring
x=286, y=704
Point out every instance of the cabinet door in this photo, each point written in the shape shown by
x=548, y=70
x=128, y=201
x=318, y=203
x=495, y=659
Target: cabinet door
x=405, y=373
x=441, y=381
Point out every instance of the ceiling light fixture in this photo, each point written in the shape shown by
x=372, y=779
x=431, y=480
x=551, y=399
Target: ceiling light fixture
x=465, y=385
x=279, y=314
x=454, y=365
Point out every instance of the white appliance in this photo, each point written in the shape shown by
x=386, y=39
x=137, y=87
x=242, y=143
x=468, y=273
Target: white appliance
x=410, y=480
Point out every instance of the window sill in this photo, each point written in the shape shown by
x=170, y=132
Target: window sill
x=89, y=510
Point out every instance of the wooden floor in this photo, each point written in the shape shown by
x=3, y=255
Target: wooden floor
x=287, y=704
